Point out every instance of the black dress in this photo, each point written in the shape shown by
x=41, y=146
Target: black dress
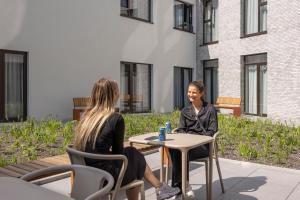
x=110, y=141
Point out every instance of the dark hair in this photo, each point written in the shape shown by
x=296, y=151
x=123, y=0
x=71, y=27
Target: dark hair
x=199, y=85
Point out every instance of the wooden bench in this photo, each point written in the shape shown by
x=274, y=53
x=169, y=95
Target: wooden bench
x=80, y=104
x=18, y=170
x=230, y=103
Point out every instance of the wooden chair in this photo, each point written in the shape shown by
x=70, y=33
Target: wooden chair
x=80, y=104
x=78, y=157
x=230, y=103
x=88, y=181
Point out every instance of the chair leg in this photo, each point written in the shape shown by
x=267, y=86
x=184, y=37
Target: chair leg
x=219, y=172
x=109, y=196
x=206, y=177
x=167, y=173
x=142, y=192
x=168, y=166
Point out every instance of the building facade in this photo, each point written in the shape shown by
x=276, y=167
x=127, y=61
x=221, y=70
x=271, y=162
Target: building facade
x=251, y=49
x=53, y=51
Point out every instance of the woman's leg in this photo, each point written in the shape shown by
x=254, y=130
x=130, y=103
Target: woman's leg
x=133, y=193
x=149, y=176
x=196, y=153
x=176, y=167
x=138, y=169
x=199, y=152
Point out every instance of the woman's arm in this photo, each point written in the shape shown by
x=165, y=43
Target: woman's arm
x=212, y=123
x=118, y=137
x=182, y=125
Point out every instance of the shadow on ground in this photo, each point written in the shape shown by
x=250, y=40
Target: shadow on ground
x=236, y=188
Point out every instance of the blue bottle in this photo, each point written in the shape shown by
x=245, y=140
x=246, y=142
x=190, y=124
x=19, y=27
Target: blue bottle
x=168, y=127
x=162, y=134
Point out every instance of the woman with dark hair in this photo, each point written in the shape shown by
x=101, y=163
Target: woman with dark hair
x=198, y=118
x=101, y=130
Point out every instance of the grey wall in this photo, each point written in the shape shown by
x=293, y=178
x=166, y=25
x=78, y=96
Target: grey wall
x=73, y=43
x=282, y=44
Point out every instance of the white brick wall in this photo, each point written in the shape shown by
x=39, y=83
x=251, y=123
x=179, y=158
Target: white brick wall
x=282, y=44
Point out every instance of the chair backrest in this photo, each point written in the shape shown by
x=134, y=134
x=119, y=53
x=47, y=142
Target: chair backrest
x=215, y=144
x=78, y=157
x=88, y=181
x=81, y=101
x=228, y=101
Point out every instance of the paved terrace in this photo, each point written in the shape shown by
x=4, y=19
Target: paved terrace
x=242, y=181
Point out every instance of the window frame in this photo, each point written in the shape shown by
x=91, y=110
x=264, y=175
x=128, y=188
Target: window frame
x=191, y=27
x=207, y=21
x=183, y=96
x=130, y=85
x=259, y=32
x=2, y=84
x=149, y=20
x=258, y=65
x=211, y=69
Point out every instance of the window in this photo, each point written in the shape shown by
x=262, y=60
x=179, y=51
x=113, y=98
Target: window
x=13, y=85
x=137, y=9
x=255, y=92
x=182, y=78
x=211, y=82
x=210, y=21
x=183, y=16
x=255, y=17
x=135, y=87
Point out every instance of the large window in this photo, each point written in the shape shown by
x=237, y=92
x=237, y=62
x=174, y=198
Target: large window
x=211, y=80
x=135, y=87
x=182, y=78
x=255, y=17
x=255, y=92
x=13, y=85
x=183, y=13
x=210, y=21
x=138, y=9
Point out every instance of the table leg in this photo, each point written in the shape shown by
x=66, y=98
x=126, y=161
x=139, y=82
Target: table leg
x=184, y=172
x=161, y=178
x=210, y=165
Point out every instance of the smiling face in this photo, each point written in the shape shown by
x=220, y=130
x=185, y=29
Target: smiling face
x=194, y=95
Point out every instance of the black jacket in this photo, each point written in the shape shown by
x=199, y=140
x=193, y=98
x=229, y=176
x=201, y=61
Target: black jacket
x=205, y=123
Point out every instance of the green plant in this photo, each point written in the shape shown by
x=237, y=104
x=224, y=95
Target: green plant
x=261, y=140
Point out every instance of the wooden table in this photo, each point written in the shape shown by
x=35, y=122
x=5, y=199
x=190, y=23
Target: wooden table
x=183, y=142
x=14, y=189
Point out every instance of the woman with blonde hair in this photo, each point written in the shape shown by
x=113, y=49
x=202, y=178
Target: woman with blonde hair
x=101, y=130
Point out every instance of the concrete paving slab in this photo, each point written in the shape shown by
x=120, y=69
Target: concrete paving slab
x=278, y=176
x=242, y=181
x=62, y=186
x=295, y=194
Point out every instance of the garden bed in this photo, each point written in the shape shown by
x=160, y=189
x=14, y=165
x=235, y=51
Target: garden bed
x=258, y=141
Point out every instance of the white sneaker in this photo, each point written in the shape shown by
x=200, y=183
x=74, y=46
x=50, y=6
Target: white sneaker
x=165, y=191
x=176, y=197
x=189, y=194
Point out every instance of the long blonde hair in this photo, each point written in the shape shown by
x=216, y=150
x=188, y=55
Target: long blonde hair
x=104, y=96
